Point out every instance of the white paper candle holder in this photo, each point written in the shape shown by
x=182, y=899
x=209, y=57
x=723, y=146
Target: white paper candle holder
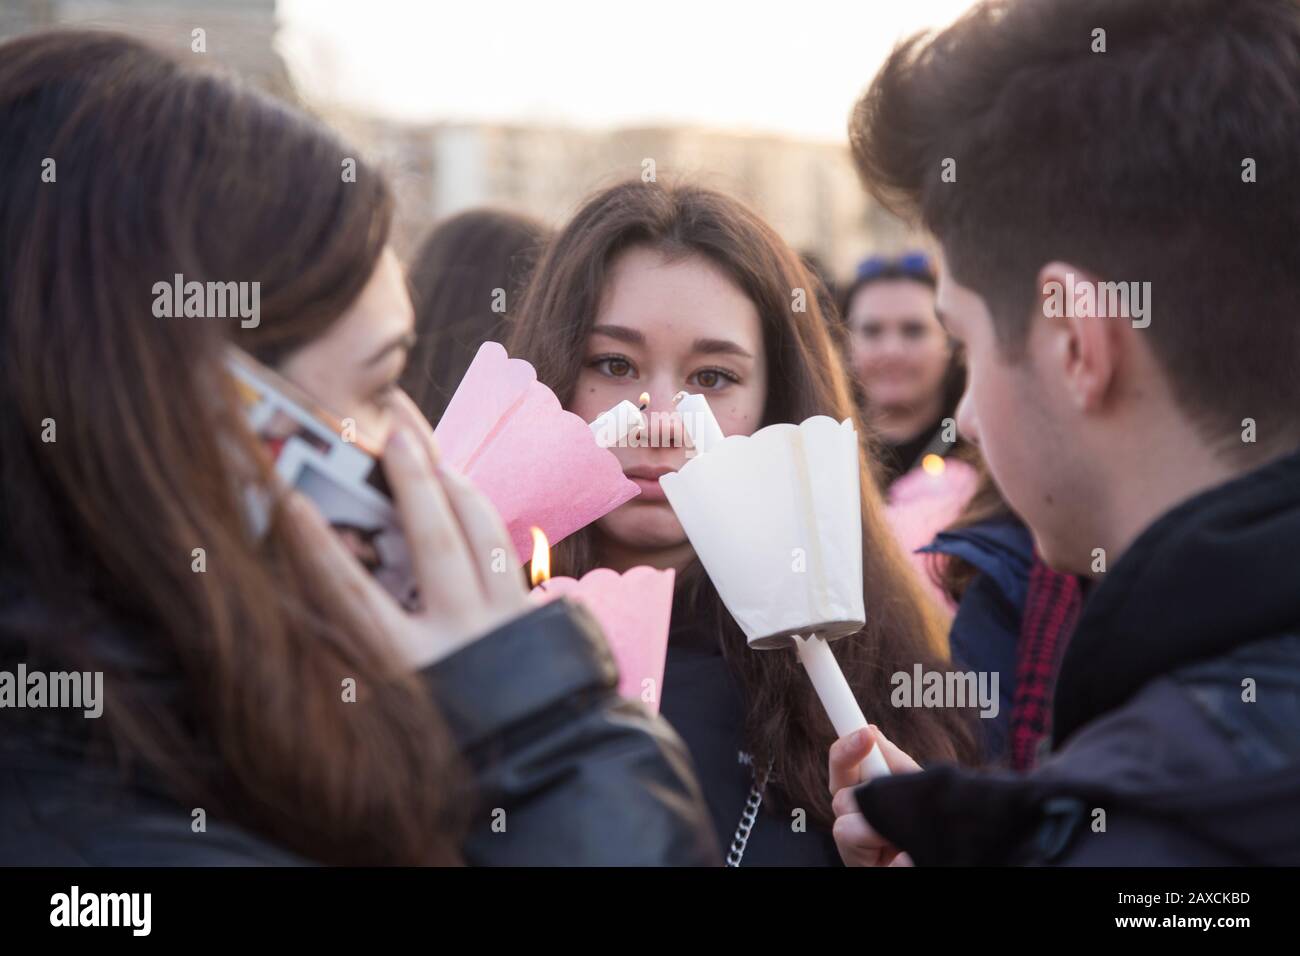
x=775, y=518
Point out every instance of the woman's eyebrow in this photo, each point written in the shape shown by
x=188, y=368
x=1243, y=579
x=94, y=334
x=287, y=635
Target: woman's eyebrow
x=404, y=341
x=621, y=333
x=704, y=346
x=720, y=347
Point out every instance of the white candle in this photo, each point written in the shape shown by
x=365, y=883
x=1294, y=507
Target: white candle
x=837, y=697
x=698, y=420
x=612, y=427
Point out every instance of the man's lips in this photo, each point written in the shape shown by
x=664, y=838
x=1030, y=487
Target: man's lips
x=647, y=479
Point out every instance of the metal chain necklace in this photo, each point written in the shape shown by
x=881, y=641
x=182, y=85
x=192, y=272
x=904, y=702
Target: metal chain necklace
x=748, y=816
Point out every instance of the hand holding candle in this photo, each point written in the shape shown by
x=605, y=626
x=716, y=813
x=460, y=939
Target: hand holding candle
x=775, y=518
x=837, y=697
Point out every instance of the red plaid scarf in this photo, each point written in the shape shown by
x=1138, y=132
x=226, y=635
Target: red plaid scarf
x=1051, y=609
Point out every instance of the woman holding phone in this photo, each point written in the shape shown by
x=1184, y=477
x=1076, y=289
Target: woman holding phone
x=264, y=700
x=663, y=288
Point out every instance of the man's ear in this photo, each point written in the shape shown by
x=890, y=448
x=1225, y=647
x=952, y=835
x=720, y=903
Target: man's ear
x=1081, y=343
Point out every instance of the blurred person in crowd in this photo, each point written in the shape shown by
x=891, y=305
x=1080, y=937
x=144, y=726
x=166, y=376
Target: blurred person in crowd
x=465, y=280
x=909, y=377
x=908, y=372
x=1014, y=616
x=222, y=684
x=660, y=288
x=1145, y=424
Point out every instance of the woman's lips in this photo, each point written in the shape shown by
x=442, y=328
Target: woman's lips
x=647, y=479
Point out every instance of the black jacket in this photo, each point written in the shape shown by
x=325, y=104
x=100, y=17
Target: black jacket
x=584, y=777
x=1176, y=718
x=703, y=702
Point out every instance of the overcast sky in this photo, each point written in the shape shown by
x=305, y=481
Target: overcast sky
x=792, y=67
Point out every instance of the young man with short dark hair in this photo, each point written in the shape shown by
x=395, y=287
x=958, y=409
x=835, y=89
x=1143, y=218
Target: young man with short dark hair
x=1115, y=185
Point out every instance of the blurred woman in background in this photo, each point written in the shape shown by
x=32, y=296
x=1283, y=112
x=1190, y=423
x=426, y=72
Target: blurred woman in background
x=909, y=375
x=909, y=379
x=465, y=280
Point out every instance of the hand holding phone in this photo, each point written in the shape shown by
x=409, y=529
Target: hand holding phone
x=453, y=535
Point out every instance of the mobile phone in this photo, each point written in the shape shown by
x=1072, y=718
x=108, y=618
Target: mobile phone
x=317, y=453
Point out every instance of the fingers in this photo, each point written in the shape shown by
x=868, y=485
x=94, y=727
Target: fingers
x=844, y=802
x=363, y=597
x=846, y=755
x=482, y=527
x=486, y=537
x=858, y=844
x=407, y=413
x=898, y=761
x=439, y=554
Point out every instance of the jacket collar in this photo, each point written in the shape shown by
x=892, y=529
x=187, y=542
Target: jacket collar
x=1217, y=571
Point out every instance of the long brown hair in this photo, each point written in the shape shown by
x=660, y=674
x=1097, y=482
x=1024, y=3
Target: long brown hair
x=223, y=687
x=784, y=720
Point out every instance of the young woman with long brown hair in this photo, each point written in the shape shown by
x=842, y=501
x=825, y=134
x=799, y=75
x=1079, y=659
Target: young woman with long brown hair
x=227, y=735
x=659, y=288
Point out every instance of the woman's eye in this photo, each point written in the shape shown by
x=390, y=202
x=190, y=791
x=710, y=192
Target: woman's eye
x=714, y=378
x=384, y=395
x=870, y=331
x=914, y=331
x=614, y=366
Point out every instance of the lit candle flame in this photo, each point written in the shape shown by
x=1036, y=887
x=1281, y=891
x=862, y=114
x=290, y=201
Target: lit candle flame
x=933, y=465
x=541, y=563
x=643, y=401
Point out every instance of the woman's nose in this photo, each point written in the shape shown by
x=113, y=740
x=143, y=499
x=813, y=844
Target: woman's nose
x=891, y=345
x=665, y=424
